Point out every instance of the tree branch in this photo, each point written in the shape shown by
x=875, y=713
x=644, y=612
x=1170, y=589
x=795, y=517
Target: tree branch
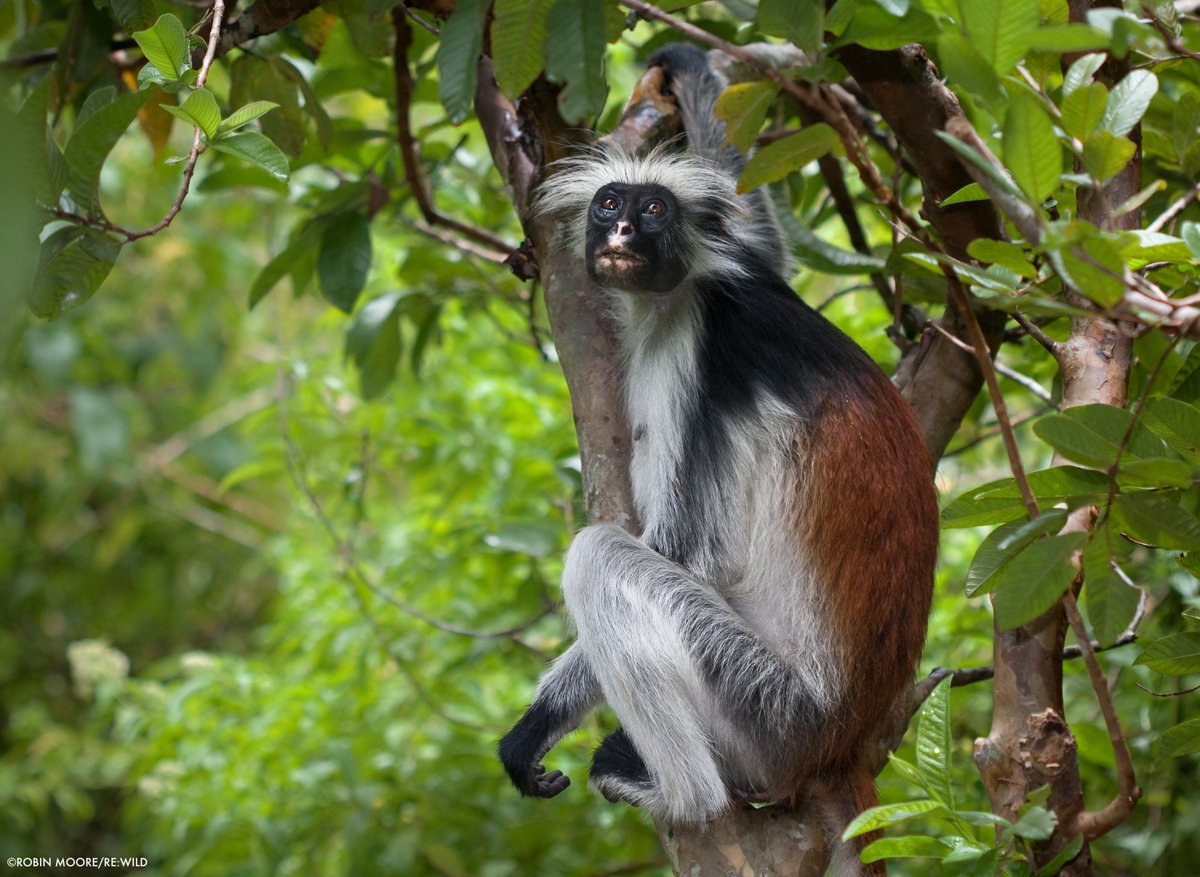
x=410, y=151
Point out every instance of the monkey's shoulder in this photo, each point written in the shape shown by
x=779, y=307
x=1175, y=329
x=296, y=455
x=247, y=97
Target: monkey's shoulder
x=759, y=334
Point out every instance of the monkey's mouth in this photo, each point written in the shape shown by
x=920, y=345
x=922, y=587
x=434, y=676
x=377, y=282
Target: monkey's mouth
x=613, y=260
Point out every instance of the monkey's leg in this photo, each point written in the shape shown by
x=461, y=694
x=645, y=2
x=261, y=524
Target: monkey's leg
x=675, y=663
x=616, y=762
x=566, y=694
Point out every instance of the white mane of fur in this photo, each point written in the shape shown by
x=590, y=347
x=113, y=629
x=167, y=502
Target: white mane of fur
x=568, y=193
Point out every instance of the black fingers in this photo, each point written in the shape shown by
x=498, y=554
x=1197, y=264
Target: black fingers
x=550, y=784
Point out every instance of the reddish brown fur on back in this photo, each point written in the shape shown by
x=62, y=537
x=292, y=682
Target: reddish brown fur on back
x=870, y=521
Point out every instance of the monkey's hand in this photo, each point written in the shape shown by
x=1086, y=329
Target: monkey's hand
x=521, y=750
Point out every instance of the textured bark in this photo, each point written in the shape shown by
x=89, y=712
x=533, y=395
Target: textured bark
x=770, y=842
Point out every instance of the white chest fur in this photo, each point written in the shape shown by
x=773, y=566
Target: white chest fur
x=660, y=395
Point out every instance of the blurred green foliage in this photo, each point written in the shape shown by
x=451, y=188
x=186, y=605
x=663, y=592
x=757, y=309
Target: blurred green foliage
x=276, y=579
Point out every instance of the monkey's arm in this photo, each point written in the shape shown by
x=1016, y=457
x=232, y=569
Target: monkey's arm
x=566, y=694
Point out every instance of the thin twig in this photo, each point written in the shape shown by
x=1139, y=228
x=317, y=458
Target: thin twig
x=958, y=295
x=1034, y=331
x=1175, y=209
x=1027, y=382
x=970, y=675
x=992, y=433
x=417, y=183
x=1093, y=825
x=189, y=168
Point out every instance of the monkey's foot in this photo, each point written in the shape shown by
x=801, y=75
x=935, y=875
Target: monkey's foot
x=618, y=771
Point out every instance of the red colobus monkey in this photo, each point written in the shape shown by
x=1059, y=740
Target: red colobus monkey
x=774, y=606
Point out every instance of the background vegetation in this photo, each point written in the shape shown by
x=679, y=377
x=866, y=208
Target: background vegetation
x=283, y=505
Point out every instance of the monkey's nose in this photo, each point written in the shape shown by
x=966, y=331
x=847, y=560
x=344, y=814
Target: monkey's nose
x=623, y=229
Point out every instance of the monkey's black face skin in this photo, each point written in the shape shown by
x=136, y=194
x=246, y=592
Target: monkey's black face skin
x=634, y=239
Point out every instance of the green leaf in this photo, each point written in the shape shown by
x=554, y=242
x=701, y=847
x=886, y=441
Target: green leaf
x=779, y=159
x=1185, y=123
x=1081, y=71
x=962, y=62
x=457, y=56
x=1031, y=150
x=366, y=326
x=1111, y=603
x=1069, y=852
x=1155, y=473
x=998, y=502
x=256, y=149
x=1155, y=246
x=1004, y=543
x=801, y=22
x=1000, y=29
x=344, y=259
x=1105, y=155
x=1034, y=823
x=377, y=368
x=575, y=56
x=1094, y=267
x=427, y=327
x=518, y=33
x=255, y=79
x=1153, y=519
x=201, y=110
x=247, y=114
x=1001, y=253
x=1066, y=38
x=1029, y=584
x=814, y=252
x=906, y=847
x=278, y=268
x=969, y=192
x=905, y=769
x=1083, y=109
x=1088, y=434
x=132, y=14
x=74, y=262
x=90, y=145
x=888, y=814
x=1183, y=739
x=1186, y=386
x=1175, y=655
x=743, y=107
x=1128, y=102
x=1177, y=423
x=972, y=860
x=933, y=744
x=166, y=46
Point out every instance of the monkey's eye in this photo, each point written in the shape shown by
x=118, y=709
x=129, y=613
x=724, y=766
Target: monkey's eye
x=609, y=203
x=654, y=208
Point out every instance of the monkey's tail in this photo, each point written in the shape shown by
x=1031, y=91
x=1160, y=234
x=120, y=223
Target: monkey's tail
x=841, y=801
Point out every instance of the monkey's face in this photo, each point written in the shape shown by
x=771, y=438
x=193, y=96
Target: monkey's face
x=634, y=239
